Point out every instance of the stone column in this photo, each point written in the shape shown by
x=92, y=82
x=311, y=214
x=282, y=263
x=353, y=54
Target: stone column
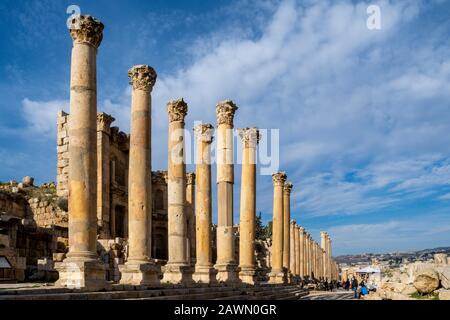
x=292, y=245
x=82, y=268
x=250, y=138
x=190, y=216
x=329, y=254
x=226, y=261
x=139, y=268
x=302, y=248
x=204, y=271
x=177, y=269
x=287, y=188
x=308, y=255
x=103, y=175
x=297, y=249
x=323, y=245
x=277, y=275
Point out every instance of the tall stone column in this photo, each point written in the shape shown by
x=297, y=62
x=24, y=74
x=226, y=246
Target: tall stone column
x=204, y=271
x=177, y=269
x=330, y=259
x=287, y=188
x=139, y=268
x=82, y=268
x=308, y=255
x=103, y=174
x=297, y=249
x=293, y=239
x=324, y=246
x=190, y=216
x=226, y=265
x=250, y=138
x=277, y=275
x=302, y=261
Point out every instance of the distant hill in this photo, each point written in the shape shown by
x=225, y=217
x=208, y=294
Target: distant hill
x=394, y=257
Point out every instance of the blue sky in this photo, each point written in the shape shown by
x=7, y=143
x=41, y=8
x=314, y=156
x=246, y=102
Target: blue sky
x=364, y=115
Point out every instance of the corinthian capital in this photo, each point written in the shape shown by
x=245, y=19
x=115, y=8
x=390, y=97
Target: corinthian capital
x=86, y=29
x=190, y=178
x=104, y=121
x=142, y=77
x=204, y=132
x=225, y=112
x=279, y=178
x=177, y=110
x=302, y=230
x=249, y=137
x=288, y=187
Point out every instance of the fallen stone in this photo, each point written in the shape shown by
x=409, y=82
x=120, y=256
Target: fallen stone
x=444, y=295
x=426, y=281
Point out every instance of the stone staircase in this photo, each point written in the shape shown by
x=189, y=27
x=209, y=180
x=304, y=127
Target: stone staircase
x=262, y=292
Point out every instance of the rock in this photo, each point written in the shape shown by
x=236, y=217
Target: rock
x=426, y=281
x=440, y=258
x=444, y=295
x=444, y=276
x=27, y=181
x=410, y=289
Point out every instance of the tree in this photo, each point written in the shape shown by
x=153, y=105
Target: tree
x=262, y=232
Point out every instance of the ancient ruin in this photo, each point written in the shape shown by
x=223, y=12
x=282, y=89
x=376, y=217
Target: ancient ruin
x=110, y=223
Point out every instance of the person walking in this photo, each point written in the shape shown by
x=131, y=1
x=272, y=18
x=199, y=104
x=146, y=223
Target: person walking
x=355, y=287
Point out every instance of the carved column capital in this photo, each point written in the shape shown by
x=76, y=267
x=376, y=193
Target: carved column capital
x=177, y=110
x=159, y=177
x=142, y=77
x=204, y=132
x=104, y=121
x=249, y=137
x=190, y=178
x=279, y=178
x=288, y=187
x=225, y=111
x=86, y=29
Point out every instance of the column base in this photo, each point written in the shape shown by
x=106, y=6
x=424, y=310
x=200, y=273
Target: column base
x=205, y=274
x=140, y=273
x=78, y=273
x=277, y=277
x=227, y=273
x=248, y=275
x=175, y=273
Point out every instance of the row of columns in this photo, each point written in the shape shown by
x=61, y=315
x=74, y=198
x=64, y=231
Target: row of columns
x=294, y=252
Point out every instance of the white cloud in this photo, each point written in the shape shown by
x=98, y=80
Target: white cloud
x=346, y=99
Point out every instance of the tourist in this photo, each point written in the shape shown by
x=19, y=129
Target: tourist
x=363, y=291
x=355, y=287
x=347, y=285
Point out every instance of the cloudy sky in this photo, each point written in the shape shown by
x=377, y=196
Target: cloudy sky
x=363, y=115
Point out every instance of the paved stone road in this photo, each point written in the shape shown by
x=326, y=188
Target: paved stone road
x=336, y=295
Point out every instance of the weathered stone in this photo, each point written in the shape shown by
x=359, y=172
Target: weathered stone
x=426, y=281
x=27, y=181
x=444, y=276
x=440, y=258
x=444, y=294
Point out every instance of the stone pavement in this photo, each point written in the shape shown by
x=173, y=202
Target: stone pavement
x=335, y=295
